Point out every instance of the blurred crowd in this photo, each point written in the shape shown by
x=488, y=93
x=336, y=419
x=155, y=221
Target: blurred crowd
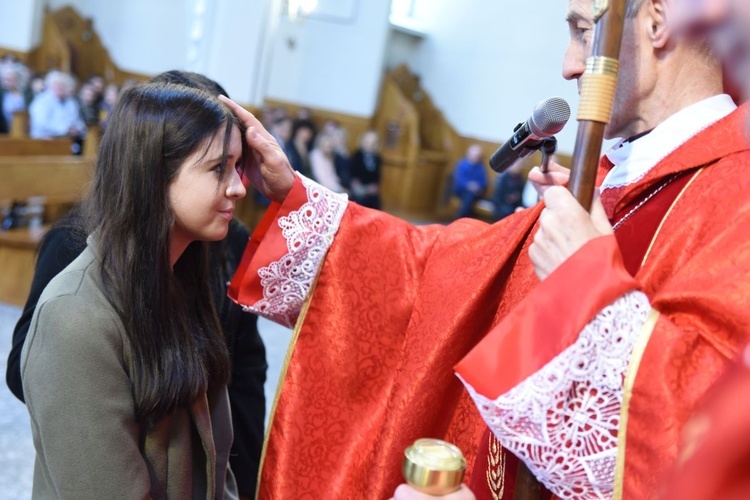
x=324, y=154
x=57, y=104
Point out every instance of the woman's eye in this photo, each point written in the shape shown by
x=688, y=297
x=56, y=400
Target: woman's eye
x=217, y=169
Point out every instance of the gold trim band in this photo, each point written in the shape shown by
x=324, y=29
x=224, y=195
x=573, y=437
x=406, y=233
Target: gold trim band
x=597, y=97
x=635, y=361
x=602, y=65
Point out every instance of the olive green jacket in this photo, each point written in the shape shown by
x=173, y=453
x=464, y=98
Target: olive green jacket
x=75, y=372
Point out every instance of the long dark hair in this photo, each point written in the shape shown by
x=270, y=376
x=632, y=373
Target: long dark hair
x=177, y=347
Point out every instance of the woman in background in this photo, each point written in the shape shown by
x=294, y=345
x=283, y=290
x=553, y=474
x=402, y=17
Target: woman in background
x=365, y=171
x=323, y=163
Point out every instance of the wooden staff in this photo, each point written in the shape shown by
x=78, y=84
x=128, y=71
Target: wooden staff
x=598, y=85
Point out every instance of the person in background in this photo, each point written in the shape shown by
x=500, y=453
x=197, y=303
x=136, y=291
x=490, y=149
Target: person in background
x=36, y=84
x=15, y=94
x=55, y=113
x=111, y=91
x=341, y=154
x=97, y=85
x=509, y=189
x=365, y=170
x=282, y=130
x=298, y=149
x=469, y=180
x=87, y=103
x=714, y=455
x=322, y=163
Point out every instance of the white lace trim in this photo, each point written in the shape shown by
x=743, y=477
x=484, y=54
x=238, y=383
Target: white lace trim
x=309, y=233
x=563, y=420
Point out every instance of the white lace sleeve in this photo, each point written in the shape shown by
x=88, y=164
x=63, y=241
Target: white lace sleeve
x=308, y=233
x=563, y=421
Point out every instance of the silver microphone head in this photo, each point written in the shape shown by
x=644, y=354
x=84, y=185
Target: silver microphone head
x=549, y=116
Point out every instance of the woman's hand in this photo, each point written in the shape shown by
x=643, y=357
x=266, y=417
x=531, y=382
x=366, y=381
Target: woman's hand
x=266, y=166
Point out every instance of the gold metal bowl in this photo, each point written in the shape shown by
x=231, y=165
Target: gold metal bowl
x=433, y=466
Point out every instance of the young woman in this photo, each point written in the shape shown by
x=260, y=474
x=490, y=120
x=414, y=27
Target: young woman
x=125, y=368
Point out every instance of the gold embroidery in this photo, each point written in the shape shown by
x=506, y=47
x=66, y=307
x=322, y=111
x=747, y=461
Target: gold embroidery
x=496, y=468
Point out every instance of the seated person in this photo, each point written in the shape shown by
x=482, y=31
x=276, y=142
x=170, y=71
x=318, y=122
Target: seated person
x=469, y=180
x=55, y=113
x=322, y=163
x=364, y=171
x=509, y=189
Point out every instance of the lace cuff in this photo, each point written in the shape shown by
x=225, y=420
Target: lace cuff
x=563, y=421
x=308, y=232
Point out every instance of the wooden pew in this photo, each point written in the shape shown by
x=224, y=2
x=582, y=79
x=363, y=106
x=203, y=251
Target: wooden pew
x=56, y=176
x=17, y=260
x=18, y=146
x=62, y=182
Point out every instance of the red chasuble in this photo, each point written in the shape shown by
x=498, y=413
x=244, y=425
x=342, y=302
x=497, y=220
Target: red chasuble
x=714, y=461
x=694, y=273
x=395, y=307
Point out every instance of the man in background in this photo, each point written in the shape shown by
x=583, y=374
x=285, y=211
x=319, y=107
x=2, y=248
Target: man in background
x=469, y=180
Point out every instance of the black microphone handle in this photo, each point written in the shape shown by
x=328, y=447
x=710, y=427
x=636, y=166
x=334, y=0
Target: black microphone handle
x=505, y=155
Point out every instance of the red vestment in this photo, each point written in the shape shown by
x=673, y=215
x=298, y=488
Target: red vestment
x=714, y=459
x=694, y=275
x=395, y=307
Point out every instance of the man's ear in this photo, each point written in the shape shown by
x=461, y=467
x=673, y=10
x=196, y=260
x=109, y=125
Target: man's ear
x=658, y=19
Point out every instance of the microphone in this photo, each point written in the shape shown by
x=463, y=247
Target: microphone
x=548, y=118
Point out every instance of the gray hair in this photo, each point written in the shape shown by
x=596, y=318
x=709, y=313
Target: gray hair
x=632, y=8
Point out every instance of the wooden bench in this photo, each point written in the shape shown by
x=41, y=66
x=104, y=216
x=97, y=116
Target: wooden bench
x=17, y=261
x=61, y=181
x=24, y=146
x=51, y=176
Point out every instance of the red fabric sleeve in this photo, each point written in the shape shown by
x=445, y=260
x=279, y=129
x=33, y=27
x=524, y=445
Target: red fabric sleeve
x=550, y=307
x=266, y=245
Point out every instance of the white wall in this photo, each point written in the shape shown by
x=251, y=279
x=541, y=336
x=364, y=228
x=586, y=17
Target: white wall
x=18, y=24
x=487, y=63
x=143, y=36
x=235, y=46
x=329, y=63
